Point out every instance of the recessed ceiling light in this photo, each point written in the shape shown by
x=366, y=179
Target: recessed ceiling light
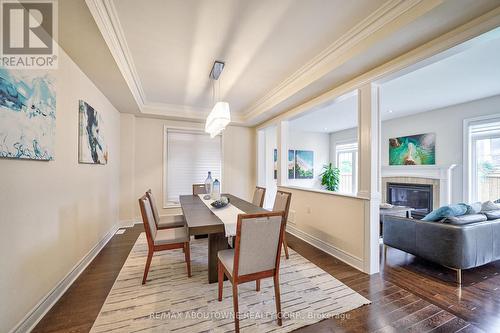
x=389, y=111
x=326, y=128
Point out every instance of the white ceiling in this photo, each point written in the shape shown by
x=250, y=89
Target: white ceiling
x=174, y=43
x=471, y=74
x=466, y=73
x=336, y=116
x=279, y=54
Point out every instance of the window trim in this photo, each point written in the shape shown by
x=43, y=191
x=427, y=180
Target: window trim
x=165, y=203
x=355, y=152
x=468, y=182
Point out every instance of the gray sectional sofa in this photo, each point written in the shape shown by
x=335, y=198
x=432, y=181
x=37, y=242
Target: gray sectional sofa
x=456, y=243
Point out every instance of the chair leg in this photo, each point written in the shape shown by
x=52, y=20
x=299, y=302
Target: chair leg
x=257, y=285
x=285, y=246
x=220, y=273
x=278, y=299
x=235, y=305
x=148, y=263
x=187, y=256
x=459, y=277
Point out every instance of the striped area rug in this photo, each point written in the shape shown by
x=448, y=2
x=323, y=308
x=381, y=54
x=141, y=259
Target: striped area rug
x=172, y=302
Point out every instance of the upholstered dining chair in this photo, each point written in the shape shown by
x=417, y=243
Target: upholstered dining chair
x=199, y=189
x=162, y=239
x=282, y=204
x=256, y=256
x=167, y=221
x=258, y=196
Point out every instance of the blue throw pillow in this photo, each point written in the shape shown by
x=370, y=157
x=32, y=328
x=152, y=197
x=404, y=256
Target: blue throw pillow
x=446, y=211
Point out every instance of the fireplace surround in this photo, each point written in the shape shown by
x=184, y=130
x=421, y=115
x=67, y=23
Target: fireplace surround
x=417, y=196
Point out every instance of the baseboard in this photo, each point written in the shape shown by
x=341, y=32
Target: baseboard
x=328, y=248
x=128, y=223
x=40, y=310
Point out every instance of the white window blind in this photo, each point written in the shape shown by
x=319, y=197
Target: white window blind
x=190, y=155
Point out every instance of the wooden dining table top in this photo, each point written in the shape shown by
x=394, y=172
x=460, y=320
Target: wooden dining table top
x=201, y=220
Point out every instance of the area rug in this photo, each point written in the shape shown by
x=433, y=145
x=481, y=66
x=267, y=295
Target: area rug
x=172, y=302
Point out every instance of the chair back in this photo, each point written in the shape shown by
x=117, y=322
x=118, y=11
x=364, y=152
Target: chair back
x=258, y=242
x=199, y=189
x=152, y=201
x=148, y=219
x=258, y=196
x=282, y=203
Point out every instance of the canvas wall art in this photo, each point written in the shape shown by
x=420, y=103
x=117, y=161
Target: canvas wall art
x=413, y=150
x=291, y=164
x=304, y=164
x=27, y=114
x=92, y=145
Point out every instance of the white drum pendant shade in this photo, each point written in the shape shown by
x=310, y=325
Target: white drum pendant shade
x=218, y=119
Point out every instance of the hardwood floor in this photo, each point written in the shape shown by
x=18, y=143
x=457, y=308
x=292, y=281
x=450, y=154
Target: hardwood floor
x=409, y=295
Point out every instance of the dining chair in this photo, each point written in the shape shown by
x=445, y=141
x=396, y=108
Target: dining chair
x=258, y=196
x=162, y=239
x=167, y=221
x=282, y=203
x=256, y=256
x=199, y=189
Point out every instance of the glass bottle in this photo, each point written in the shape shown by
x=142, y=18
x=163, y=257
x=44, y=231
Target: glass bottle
x=208, y=183
x=216, y=190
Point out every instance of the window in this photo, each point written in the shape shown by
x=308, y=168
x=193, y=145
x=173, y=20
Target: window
x=484, y=160
x=189, y=157
x=347, y=162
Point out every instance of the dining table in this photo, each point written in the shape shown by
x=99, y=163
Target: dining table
x=201, y=220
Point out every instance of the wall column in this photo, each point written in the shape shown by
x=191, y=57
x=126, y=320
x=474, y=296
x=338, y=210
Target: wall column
x=282, y=144
x=369, y=172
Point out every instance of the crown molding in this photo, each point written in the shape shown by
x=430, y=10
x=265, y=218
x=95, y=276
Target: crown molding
x=106, y=18
x=338, y=52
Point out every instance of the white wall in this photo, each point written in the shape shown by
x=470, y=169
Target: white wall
x=319, y=143
x=53, y=213
x=447, y=123
x=142, y=162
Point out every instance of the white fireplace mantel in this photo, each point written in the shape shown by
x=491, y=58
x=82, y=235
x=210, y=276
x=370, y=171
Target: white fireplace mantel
x=442, y=173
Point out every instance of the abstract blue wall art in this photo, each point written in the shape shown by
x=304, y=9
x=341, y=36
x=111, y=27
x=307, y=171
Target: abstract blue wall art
x=27, y=114
x=92, y=146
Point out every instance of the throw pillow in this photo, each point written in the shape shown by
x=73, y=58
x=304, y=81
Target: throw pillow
x=492, y=214
x=474, y=208
x=488, y=205
x=446, y=211
x=465, y=219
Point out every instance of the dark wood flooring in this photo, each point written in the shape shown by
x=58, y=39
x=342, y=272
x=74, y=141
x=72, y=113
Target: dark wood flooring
x=409, y=295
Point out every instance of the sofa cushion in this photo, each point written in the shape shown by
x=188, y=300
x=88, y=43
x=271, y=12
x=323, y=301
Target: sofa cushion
x=492, y=214
x=474, y=208
x=446, y=211
x=465, y=219
x=488, y=205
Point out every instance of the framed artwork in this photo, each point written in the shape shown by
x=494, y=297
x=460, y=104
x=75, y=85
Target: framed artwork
x=275, y=159
x=92, y=148
x=291, y=164
x=413, y=150
x=27, y=114
x=304, y=164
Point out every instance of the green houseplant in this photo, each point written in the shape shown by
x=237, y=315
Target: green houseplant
x=330, y=177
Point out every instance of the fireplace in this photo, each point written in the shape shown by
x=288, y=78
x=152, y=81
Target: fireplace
x=417, y=196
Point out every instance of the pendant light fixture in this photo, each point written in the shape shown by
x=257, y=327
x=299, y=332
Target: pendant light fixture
x=220, y=116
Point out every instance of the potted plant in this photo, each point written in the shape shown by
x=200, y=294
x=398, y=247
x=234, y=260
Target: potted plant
x=330, y=177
